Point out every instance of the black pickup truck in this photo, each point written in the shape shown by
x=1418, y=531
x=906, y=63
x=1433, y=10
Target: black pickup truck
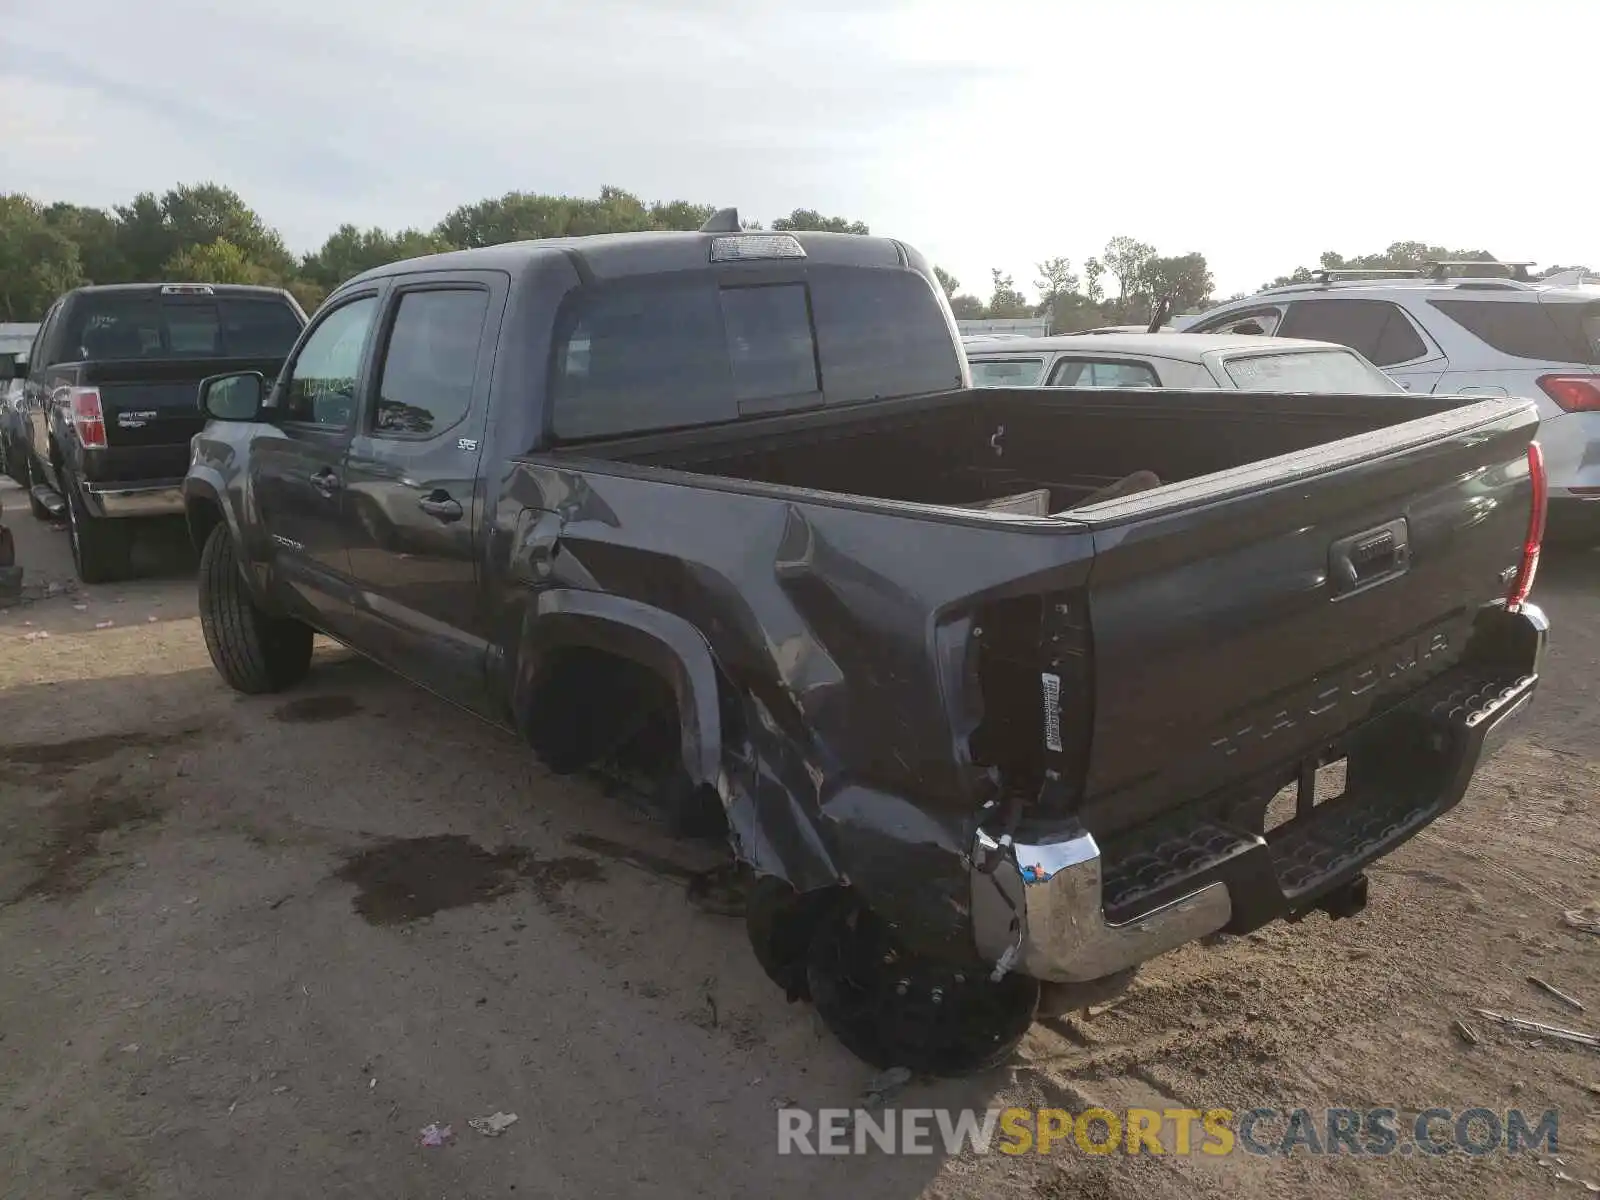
x=723, y=503
x=109, y=404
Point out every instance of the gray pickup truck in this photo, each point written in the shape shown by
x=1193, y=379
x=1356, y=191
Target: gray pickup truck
x=986, y=726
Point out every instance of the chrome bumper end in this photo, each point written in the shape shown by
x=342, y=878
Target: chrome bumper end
x=158, y=499
x=1037, y=910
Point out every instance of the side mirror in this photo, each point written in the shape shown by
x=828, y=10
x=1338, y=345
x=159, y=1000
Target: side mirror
x=8, y=367
x=233, y=397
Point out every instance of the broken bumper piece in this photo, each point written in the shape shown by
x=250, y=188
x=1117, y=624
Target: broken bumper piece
x=1038, y=910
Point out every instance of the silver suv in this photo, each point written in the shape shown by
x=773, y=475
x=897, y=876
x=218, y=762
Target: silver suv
x=1481, y=329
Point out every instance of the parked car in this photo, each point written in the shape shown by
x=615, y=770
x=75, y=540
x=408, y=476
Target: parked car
x=1466, y=329
x=110, y=400
x=1176, y=360
x=723, y=504
x=13, y=369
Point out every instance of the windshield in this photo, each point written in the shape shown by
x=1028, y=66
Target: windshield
x=1007, y=372
x=1307, y=371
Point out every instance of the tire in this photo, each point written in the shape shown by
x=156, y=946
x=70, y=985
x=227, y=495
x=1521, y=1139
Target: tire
x=39, y=511
x=894, y=1009
x=780, y=924
x=99, y=546
x=254, y=652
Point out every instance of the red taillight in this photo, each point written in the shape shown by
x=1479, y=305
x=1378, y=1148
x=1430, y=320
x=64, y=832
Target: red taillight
x=1574, y=393
x=1530, y=548
x=87, y=416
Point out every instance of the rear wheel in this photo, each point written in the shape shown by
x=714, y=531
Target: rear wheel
x=253, y=651
x=896, y=1009
x=99, y=546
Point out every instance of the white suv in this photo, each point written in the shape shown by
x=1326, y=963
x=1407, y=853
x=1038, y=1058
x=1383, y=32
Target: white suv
x=1484, y=333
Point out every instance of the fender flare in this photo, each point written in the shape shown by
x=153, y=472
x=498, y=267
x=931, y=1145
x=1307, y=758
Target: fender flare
x=203, y=485
x=563, y=618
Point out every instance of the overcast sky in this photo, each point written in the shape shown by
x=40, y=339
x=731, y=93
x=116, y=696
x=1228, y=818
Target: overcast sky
x=985, y=134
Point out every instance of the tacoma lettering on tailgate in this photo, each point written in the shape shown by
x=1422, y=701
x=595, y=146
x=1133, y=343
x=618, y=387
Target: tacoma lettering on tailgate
x=1327, y=696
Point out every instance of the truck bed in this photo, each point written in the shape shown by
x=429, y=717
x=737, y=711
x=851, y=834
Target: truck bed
x=970, y=447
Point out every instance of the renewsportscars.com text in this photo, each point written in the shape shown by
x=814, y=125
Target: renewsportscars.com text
x=1375, y=1132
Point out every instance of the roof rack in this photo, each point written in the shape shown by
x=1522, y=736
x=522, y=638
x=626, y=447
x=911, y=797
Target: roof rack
x=1333, y=274
x=1517, y=271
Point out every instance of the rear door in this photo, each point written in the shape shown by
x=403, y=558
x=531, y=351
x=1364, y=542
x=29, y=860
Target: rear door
x=297, y=466
x=1381, y=332
x=412, y=504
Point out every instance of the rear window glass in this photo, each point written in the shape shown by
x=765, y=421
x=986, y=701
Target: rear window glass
x=1307, y=371
x=1006, y=372
x=1089, y=372
x=1375, y=329
x=657, y=354
x=1549, y=332
x=112, y=326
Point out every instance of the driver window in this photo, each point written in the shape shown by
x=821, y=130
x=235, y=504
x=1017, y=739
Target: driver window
x=322, y=383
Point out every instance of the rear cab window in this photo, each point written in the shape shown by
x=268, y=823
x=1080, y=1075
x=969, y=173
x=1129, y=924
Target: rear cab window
x=1006, y=372
x=121, y=326
x=654, y=353
x=1335, y=371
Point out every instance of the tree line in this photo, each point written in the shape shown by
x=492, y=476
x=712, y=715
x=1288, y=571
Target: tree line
x=207, y=233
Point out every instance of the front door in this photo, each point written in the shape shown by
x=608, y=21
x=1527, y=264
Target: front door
x=297, y=468
x=413, y=508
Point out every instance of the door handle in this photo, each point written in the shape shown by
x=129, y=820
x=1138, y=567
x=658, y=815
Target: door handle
x=441, y=505
x=326, y=482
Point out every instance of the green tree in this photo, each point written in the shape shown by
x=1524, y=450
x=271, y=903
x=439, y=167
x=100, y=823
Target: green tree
x=968, y=308
x=1058, y=291
x=1093, y=272
x=94, y=231
x=1125, y=259
x=1185, y=279
x=350, y=251
x=37, y=261
x=218, y=261
x=1005, y=302
x=947, y=281
x=151, y=230
x=811, y=219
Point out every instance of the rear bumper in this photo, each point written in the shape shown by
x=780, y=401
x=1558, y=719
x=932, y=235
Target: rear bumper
x=1055, y=906
x=163, y=497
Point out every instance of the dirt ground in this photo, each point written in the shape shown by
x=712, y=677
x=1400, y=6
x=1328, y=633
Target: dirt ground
x=252, y=946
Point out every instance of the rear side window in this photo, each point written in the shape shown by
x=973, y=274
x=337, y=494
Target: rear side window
x=112, y=326
x=1089, y=372
x=1556, y=332
x=1376, y=329
x=1006, y=372
x=431, y=361
x=658, y=354
x=1336, y=371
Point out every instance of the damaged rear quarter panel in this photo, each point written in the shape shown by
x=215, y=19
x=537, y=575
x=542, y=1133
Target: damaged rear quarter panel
x=839, y=632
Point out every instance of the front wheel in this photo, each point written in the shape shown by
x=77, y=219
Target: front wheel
x=252, y=650
x=892, y=1008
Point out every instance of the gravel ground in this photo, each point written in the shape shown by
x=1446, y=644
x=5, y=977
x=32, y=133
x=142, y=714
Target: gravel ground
x=254, y=945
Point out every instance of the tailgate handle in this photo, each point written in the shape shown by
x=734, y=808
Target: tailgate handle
x=1371, y=557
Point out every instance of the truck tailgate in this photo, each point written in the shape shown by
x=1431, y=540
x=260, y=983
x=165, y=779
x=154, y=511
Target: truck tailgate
x=1242, y=621
x=156, y=402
